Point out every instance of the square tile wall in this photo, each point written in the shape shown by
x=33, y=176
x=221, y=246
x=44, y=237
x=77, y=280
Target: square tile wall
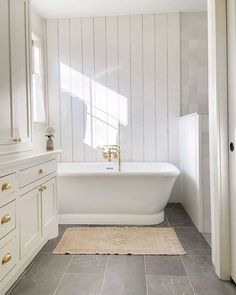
x=194, y=63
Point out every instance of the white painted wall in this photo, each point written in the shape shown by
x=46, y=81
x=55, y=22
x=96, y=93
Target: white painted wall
x=194, y=63
x=194, y=166
x=115, y=80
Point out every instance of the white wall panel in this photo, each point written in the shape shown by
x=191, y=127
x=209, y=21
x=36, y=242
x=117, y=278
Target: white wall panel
x=53, y=80
x=149, y=95
x=100, y=112
x=174, y=93
x=136, y=55
x=161, y=49
x=65, y=89
x=173, y=84
x=89, y=88
x=76, y=47
x=113, y=104
x=124, y=87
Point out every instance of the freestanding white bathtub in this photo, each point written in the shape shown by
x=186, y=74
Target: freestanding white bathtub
x=97, y=193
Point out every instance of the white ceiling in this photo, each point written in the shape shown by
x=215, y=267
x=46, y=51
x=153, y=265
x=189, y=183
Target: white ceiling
x=76, y=8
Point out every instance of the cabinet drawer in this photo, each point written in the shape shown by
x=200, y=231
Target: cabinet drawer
x=7, y=185
x=32, y=174
x=8, y=257
x=7, y=218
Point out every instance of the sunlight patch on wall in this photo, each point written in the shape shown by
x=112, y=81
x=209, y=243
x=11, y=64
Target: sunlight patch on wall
x=104, y=109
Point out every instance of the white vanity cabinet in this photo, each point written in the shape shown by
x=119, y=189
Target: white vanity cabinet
x=15, y=76
x=29, y=221
x=49, y=208
x=28, y=210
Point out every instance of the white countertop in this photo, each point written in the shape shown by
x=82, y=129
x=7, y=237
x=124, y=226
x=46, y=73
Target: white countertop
x=6, y=160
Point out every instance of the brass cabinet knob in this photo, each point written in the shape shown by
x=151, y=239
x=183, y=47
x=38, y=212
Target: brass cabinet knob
x=41, y=171
x=6, y=258
x=6, y=186
x=17, y=140
x=42, y=188
x=5, y=219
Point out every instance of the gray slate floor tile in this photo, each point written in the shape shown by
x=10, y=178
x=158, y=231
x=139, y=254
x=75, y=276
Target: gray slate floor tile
x=44, y=275
x=114, y=275
x=89, y=264
x=164, y=266
x=178, y=217
x=134, y=277
x=182, y=286
x=203, y=277
x=80, y=284
x=192, y=241
x=158, y=285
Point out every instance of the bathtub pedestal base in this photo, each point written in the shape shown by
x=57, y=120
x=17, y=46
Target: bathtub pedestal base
x=126, y=219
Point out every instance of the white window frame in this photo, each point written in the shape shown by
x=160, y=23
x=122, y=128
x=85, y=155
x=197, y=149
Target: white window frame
x=39, y=108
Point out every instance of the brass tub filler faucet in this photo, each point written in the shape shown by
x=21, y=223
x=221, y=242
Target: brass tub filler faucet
x=111, y=152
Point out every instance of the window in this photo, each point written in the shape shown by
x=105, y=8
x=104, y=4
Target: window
x=37, y=81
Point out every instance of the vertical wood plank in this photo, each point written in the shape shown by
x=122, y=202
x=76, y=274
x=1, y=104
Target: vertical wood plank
x=5, y=84
x=124, y=87
x=173, y=84
x=174, y=94
x=65, y=89
x=54, y=115
x=19, y=68
x=77, y=90
x=149, y=88
x=136, y=43
x=113, y=105
x=101, y=116
x=89, y=91
x=161, y=57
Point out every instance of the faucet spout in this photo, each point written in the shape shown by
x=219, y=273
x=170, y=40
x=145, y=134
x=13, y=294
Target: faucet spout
x=110, y=152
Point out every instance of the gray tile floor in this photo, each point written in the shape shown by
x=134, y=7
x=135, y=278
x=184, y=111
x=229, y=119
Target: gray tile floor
x=126, y=274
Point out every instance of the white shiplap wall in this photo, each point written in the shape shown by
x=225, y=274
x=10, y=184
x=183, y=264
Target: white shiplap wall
x=115, y=80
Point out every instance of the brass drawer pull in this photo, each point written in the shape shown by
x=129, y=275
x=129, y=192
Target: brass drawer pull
x=6, y=258
x=42, y=188
x=41, y=171
x=5, y=219
x=17, y=140
x=6, y=186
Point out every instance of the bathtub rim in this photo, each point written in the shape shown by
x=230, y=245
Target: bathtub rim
x=173, y=172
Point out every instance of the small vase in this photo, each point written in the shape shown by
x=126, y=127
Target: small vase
x=50, y=145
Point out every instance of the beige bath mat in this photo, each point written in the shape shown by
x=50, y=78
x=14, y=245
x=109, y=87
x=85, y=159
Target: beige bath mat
x=120, y=240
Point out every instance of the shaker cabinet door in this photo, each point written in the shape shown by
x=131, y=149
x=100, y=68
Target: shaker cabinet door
x=15, y=75
x=6, y=111
x=29, y=221
x=20, y=57
x=49, y=210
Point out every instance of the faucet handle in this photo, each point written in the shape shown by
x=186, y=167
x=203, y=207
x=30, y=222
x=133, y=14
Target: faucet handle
x=105, y=155
x=115, y=154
